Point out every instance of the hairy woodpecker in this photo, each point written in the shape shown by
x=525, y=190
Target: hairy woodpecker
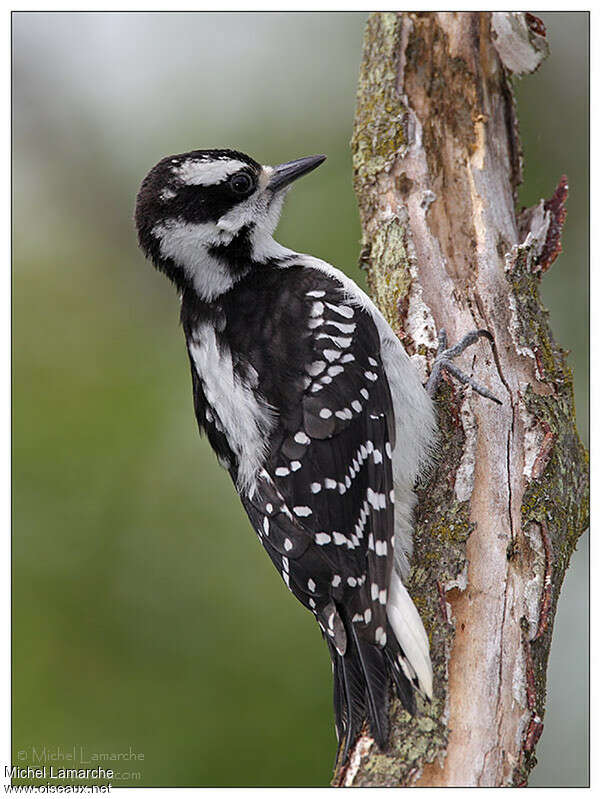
x=313, y=406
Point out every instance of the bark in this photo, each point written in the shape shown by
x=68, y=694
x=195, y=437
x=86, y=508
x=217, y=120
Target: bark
x=437, y=164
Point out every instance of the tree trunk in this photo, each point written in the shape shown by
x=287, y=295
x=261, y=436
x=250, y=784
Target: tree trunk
x=437, y=164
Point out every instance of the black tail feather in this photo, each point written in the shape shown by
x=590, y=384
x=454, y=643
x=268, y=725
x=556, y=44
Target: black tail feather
x=361, y=679
x=349, y=699
x=373, y=669
x=404, y=687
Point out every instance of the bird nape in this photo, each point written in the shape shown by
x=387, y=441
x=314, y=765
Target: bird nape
x=313, y=406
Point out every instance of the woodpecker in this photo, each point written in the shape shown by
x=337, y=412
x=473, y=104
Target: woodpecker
x=311, y=403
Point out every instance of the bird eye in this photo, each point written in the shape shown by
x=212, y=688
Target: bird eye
x=241, y=183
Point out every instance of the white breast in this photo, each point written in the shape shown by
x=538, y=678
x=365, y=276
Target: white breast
x=245, y=417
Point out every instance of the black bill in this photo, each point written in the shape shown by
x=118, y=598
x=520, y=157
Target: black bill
x=291, y=170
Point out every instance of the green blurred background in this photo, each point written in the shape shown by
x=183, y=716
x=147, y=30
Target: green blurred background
x=146, y=618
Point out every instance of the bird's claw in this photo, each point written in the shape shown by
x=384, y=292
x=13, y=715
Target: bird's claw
x=444, y=363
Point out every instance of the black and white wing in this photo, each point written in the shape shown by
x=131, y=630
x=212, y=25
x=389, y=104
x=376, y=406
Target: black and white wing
x=323, y=506
x=324, y=503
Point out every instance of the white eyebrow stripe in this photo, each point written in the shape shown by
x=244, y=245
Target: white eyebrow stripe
x=206, y=173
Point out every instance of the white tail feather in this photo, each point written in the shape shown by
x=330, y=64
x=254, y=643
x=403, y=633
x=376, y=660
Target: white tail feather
x=410, y=633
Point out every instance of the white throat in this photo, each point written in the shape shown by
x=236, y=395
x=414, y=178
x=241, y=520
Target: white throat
x=266, y=248
x=189, y=245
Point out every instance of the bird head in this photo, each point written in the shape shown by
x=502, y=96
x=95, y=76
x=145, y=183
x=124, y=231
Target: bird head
x=207, y=216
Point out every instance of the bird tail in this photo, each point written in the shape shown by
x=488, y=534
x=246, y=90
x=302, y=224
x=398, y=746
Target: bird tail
x=413, y=655
x=361, y=687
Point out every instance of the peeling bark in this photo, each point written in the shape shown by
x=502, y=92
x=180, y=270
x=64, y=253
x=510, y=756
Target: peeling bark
x=437, y=164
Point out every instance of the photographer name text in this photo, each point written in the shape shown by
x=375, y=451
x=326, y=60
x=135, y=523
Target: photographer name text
x=75, y=754
x=57, y=773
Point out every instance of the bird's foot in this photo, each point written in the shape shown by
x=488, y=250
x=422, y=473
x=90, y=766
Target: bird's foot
x=444, y=363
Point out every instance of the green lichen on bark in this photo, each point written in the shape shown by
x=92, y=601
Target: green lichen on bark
x=531, y=328
x=379, y=129
x=389, y=277
x=379, y=136
x=557, y=496
x=442, y=527
x=558, y=499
